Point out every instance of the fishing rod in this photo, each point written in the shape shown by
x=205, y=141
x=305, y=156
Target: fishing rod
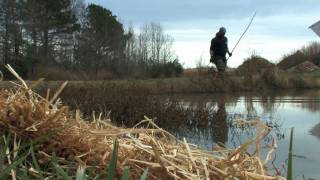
x=245, y=31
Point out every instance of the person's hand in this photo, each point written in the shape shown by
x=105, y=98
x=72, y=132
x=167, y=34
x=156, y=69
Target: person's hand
x=230, y=54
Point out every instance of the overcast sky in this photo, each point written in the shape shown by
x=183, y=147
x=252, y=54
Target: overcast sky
x=280, y=27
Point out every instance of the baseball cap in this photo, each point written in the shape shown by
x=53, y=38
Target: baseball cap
x=222, y=29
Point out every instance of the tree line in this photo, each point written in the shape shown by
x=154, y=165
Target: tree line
x=53, y=37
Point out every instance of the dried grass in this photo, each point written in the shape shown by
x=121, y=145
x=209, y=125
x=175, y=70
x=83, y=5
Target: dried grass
x=146, y=145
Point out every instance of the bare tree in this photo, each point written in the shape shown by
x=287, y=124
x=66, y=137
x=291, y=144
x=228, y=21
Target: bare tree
x=311, y=49
x=166, y=49
x=154, y=46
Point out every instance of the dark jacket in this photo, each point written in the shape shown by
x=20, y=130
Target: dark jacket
x=219, y=45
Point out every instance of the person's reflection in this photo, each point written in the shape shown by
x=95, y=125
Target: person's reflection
x=221, y=129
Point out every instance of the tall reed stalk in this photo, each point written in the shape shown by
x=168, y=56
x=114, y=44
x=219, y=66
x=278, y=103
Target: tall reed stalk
x=290, y=162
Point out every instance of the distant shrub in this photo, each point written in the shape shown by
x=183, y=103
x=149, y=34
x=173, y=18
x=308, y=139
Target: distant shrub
x=298, y=82
x=168, y=69
x=274, y=78
x=60, y=73
x=255, y=64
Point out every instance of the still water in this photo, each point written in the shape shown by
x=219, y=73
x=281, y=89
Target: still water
x=280, y=110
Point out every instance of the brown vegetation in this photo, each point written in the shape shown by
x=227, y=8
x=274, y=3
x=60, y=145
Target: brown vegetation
x=310, y=52
x=193, y=72
x=89, y=143
x=304, y=67
x=292, y=60
x=254, y=65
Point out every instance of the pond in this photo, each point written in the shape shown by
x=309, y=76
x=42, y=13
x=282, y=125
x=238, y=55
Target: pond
x=280, y=110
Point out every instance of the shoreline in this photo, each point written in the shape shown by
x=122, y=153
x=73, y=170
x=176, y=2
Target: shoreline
x=193, y=85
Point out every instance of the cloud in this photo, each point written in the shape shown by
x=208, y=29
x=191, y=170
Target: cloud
x=140, y=11
x=270, y=37
x=279, y=28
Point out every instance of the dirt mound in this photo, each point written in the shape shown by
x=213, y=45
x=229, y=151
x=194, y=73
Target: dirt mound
x=292, y=60
x=254, y=65
x=306, y=66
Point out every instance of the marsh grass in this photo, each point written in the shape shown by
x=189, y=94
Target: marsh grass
x=290, y=155
x=128, y=105
x=22, y=161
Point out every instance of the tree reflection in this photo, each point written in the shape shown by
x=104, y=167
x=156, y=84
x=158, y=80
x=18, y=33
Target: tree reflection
x=251, y=111
x=207, y=123
x=269, y=104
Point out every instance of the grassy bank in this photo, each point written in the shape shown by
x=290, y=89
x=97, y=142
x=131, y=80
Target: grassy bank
x=269, y=79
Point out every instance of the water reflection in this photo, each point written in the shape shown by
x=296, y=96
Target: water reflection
x=220, y=125
x=250, y=109
x=206, y=122
x=212, y=121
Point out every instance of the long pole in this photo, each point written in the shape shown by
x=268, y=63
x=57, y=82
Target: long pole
x=245, y=31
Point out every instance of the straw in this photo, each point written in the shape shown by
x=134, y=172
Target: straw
x=90, y=142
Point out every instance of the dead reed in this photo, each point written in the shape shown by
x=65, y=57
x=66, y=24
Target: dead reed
x=30, y=116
